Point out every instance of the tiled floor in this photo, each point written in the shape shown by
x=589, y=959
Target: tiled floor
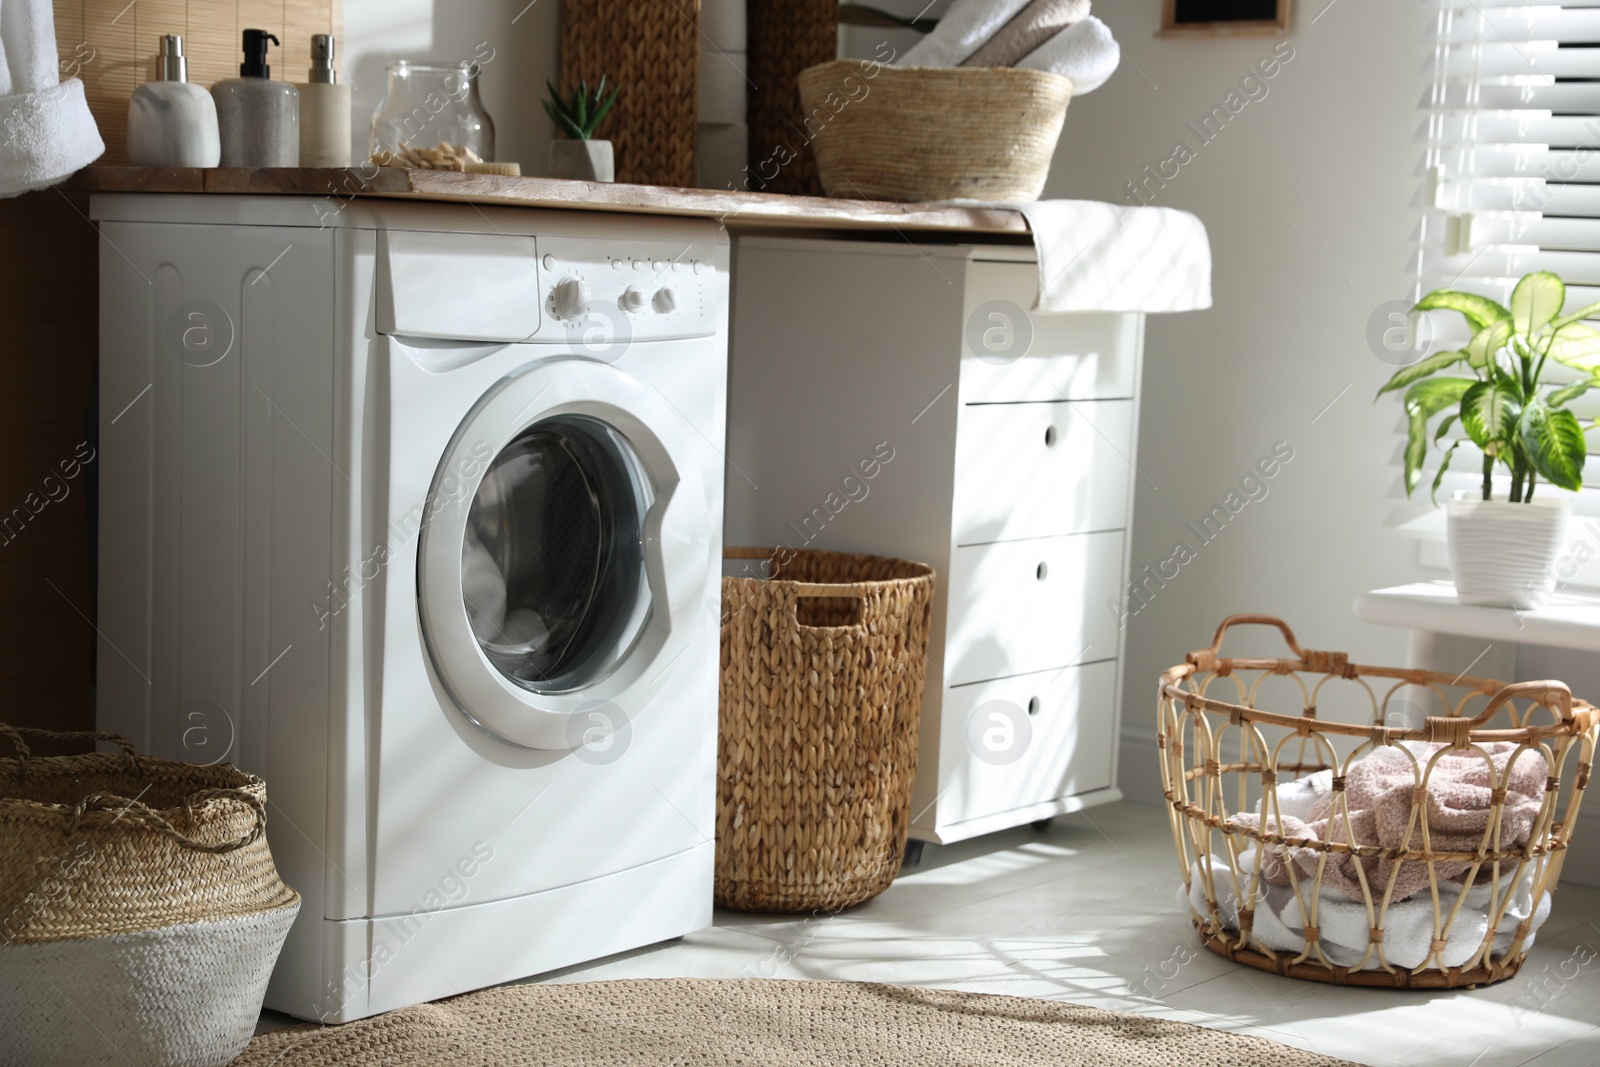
x=1087, y=912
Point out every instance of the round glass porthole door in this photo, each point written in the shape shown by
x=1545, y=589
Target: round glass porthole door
x=566, y=554
x=553, y=576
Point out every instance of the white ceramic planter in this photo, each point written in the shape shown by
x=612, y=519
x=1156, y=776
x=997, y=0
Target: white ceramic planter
x=585, y=161
x=1501, y=553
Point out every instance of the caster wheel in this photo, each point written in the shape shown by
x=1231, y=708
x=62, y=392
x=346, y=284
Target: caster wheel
x=913, y=856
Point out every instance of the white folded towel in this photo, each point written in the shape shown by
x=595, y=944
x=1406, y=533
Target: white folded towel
x=1085, y=52
x=1101, y=257
x=964, y=29
x=46, y=131
x=1279, y=921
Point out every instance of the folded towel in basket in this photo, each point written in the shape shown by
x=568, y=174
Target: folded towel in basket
x=1380, y=792
x=1279, y=921
x=1085, y=52
x=1032, y=27
x=964, y=29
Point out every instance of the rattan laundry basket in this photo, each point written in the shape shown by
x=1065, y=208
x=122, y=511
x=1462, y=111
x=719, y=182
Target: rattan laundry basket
x=822, y=671
x=140, y=910
x=1383, y=826
x=932, y=133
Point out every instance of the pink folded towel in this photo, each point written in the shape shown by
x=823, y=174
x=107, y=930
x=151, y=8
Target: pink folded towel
x=1379, y=792
x=1032, y=27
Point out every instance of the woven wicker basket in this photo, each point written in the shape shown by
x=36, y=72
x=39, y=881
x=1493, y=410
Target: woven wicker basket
x=932, y=133
x=650, y=51
x=140, y=911
x=1420, y=880
x=784, y=38
x=822, y=672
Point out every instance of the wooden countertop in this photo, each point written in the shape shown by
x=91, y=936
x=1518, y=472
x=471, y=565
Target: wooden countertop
x=740, y=212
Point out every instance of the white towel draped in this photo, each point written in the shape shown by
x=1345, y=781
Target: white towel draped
x=46, y=131
x=1100, y=257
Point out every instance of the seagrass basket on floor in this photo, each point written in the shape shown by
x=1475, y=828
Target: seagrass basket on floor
x=1371, y=826
x=140, y=910
x=823, y=663
x=932, y=133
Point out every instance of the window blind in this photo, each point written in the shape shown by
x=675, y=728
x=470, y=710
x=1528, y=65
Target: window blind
x=1511, y=177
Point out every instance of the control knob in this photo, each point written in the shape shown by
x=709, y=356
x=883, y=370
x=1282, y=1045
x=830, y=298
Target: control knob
x=665, y=301
x=632, y=299
x=570, y=298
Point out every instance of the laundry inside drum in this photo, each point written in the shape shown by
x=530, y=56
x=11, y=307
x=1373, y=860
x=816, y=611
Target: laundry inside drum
x=553, y=566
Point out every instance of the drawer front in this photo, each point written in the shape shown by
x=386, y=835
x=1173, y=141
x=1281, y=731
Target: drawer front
x=1028, y=740
x=1036, y=470
x=1010, y=354
x=1023, y=606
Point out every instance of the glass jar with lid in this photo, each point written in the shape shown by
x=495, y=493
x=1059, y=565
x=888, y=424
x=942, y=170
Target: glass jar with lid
x=427, y=104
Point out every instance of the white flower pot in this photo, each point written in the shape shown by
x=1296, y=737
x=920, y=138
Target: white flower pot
x=1501, y=554
x=584, y=161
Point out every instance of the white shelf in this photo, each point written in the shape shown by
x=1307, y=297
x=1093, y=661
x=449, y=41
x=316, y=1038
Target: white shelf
x=1567, y=621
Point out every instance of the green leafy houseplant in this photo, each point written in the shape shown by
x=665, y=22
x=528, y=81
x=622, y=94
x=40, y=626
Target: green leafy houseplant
x=581, y=113
x=1504, y=408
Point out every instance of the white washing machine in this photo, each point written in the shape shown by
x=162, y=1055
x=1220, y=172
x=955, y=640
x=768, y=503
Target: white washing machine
x=416, y=511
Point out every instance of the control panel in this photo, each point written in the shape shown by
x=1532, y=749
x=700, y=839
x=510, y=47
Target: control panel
x=594, y=290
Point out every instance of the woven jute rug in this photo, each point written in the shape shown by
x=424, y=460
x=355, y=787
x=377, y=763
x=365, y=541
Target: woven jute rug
x=760, y=1022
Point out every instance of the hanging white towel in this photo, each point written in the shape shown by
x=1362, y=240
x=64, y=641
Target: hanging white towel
x=1101, y=257
x=46, y=131
x=964, y=29
x=1085, y=52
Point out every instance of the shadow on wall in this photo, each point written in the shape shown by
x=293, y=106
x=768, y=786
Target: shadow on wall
x=518, y=39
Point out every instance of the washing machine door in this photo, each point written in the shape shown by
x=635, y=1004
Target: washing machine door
x=564, y=555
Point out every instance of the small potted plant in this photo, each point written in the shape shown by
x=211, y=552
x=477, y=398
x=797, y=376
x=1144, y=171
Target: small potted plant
x=580, y=156
x=1498, y=398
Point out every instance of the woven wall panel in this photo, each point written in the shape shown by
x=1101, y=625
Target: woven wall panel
x=651, y=50
x=112, y=44
x=785, y=37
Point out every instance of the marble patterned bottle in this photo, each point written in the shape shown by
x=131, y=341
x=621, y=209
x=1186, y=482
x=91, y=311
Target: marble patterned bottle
x=259, y=119
x=172, y=123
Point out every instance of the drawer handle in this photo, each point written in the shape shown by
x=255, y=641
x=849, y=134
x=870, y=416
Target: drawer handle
x=1033, y=706
x=1042, y=571
x=1049, y=436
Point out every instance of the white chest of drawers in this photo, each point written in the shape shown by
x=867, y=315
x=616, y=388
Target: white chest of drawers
x=1010, y=439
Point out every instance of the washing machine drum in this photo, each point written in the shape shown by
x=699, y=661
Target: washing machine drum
x=552, y=566
x=567, y=555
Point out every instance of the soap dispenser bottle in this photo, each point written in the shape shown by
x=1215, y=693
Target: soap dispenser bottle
x=324, y=110
x=259, y=119
x=170, y=122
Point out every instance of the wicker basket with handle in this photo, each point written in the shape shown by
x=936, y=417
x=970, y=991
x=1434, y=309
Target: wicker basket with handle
x=1382, y=826
x=140, y=911
x=932, y=133
x=822, y=672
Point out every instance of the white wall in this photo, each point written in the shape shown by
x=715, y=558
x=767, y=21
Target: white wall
x=524, y=37
x=1310, y=197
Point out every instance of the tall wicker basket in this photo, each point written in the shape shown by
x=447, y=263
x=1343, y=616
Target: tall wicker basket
x=1384, y=827
x=650, y=51
x=822, y=672
x=784, y=37
x=140, y=910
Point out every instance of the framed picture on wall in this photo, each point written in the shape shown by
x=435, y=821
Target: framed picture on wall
x=1224, y=18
